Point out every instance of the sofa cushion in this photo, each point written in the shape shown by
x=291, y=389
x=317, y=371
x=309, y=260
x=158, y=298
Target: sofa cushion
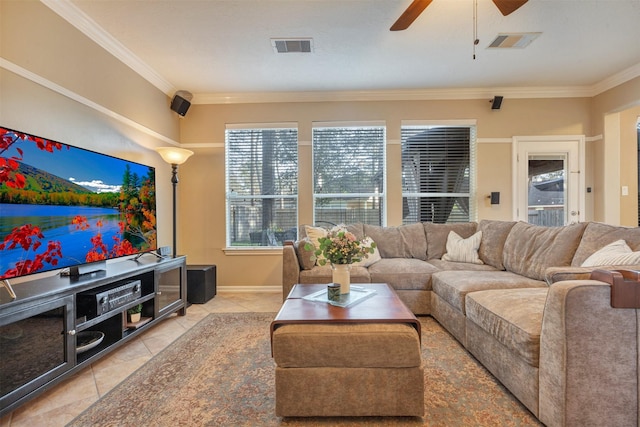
x=404, y=241
x=616, y=253
x=453, y=286
x=437, y=235
x=597, y=235
x=463, y=250
x=403, y=273
x=530, y=249
x=512, y=316
x=494, y=234
x=460, y=266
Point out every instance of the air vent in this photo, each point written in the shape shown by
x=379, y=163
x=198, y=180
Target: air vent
x=513, y=40
x=292, y=45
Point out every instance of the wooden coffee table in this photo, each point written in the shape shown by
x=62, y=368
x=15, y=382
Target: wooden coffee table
x=384, y=307
x=360, y=360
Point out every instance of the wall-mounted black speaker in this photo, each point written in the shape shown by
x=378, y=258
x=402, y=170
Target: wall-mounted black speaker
x=496, y=102
x=495, y=197
x=180, y=105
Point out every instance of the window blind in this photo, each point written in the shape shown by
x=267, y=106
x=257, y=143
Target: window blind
x=348, y=174
x=261, y=185
x=437, y=164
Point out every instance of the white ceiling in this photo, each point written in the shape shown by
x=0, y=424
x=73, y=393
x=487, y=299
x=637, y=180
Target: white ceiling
x=221, y=49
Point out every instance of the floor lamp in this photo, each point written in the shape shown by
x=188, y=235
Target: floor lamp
x=174, y=156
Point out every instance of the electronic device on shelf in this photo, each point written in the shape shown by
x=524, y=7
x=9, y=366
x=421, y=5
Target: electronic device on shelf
x=96, y=302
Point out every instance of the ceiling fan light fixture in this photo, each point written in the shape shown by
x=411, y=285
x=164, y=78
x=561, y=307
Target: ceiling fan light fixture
x=513, y=40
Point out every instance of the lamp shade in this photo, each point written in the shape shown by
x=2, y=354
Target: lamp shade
x=174, y=155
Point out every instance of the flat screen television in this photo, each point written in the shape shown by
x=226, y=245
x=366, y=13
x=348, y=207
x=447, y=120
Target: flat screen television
x=63, y=206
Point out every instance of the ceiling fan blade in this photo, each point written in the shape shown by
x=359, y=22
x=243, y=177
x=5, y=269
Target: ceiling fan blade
x=413, y=11
x=508, y=6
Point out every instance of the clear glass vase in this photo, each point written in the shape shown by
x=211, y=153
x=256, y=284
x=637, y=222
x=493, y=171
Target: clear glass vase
x=342, y=275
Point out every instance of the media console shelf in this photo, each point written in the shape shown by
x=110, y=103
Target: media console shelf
x=58, y=325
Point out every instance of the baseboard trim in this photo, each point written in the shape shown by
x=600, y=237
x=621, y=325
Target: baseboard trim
x=252, y=289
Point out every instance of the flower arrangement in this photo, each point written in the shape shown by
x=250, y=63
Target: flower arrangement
x=340, y=247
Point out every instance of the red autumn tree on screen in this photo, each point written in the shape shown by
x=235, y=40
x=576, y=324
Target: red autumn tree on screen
x=26, y=236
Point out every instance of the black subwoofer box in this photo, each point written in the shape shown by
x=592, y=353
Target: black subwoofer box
x=201, y=283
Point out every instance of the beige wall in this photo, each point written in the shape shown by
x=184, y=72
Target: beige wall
x=69, y=89
x=629, y=165
x=614, y=117
x=204, y=176
x=37, y=39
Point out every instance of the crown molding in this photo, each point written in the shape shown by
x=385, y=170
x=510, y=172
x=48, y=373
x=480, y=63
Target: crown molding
x=392, y=95
x=95, y=32
x=617, y=79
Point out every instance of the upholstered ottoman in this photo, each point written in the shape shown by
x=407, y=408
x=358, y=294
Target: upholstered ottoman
x=354, y=369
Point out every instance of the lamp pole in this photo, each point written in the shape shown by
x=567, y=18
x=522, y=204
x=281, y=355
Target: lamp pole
x=174, y=156
x=174, y=183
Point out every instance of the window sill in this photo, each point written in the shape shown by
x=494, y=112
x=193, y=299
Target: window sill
x=253, y=251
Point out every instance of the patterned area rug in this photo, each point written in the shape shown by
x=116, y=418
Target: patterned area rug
x=220, y=373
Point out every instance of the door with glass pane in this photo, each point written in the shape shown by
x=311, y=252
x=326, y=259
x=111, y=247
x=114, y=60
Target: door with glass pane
x=548, y=181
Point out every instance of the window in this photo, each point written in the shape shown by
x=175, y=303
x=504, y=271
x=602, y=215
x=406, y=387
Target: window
x=348, y=173
x=437, y=173
x=261, y=184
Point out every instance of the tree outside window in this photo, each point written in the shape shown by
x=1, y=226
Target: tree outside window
x=261, y=185
x=348, y=174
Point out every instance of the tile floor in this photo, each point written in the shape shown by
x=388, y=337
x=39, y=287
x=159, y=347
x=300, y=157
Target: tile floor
x=64, y=402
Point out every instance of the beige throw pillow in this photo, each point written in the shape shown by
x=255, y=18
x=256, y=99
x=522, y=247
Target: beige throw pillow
x=314, y=234
x=463, y=250
x=616, y=253
x=372, y=258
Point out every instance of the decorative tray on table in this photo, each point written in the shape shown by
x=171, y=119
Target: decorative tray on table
x=357, y=294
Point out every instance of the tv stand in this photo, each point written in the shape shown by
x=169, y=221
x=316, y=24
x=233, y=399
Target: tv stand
x=34, y=357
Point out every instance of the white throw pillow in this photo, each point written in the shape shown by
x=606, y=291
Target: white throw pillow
x=372, y=258
x=616, y=253
x=314, y=234
x=463, y=250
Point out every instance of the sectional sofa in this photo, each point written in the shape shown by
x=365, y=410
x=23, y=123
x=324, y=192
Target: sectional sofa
x=519, y=298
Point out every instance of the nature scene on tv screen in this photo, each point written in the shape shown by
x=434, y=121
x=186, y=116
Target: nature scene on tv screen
x=61, y=206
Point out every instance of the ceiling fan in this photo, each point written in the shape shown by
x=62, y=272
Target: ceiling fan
x=417, y=6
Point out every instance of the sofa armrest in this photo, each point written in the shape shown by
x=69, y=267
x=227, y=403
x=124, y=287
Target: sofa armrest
x=558, y=274
x=588, y=357
x=290, y=268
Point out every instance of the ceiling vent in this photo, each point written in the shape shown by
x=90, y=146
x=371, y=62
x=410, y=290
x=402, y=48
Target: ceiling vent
x=292, y=45
x=513, y=40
